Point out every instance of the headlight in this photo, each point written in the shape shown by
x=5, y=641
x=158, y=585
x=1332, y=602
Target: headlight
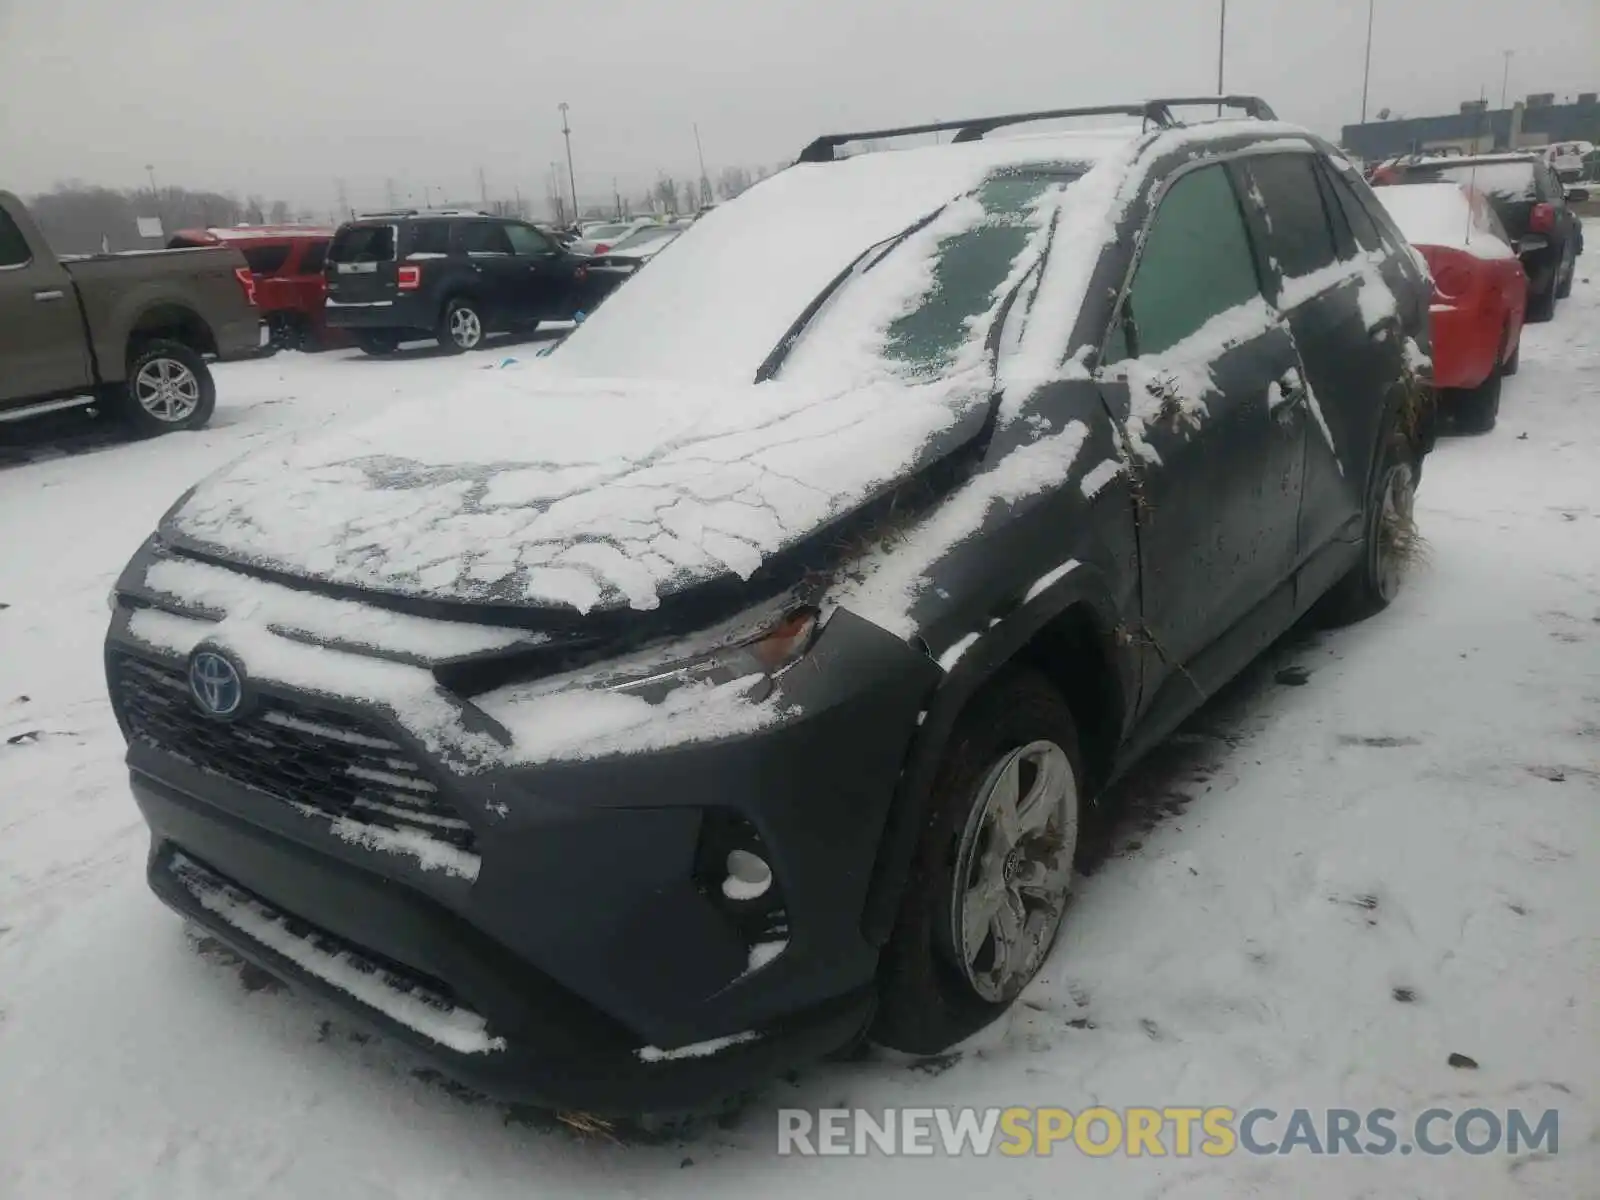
x=779, y=646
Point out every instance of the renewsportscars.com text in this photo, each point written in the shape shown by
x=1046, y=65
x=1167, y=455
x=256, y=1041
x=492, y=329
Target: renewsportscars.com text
x=1180, y=1132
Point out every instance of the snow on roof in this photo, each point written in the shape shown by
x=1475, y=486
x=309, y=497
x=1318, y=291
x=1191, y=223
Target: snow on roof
x=1441, y=214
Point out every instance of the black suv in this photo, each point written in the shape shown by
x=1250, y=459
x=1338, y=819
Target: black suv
x=1531, y=203
x=456, y=276
x=737, y=679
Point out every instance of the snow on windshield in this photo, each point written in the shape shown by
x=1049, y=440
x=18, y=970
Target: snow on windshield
x=1499, y=181
x=1441, y=214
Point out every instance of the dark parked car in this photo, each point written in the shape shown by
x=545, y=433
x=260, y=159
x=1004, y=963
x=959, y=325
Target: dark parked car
x=1530, y=202
x=619, y=742
x=131, y=332
x=455, y=276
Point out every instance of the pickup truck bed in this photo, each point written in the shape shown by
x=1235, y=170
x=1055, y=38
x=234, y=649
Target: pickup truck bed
x=74, y=330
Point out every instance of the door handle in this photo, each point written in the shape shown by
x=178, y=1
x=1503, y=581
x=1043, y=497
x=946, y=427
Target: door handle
x=50, y=294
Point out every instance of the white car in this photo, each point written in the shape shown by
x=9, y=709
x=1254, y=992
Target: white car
x=597, y=239
x=1566, y=159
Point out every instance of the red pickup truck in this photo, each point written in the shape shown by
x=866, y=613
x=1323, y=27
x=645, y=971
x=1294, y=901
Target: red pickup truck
x=291, y=290
x=127, y=332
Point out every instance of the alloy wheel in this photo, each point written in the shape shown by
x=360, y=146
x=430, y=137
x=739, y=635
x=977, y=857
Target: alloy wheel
x=1014, y=869
x=466, y=329
x=167, y=390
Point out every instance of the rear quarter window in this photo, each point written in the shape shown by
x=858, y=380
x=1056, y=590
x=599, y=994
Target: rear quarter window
x=265, y=260
x=13, y=246
x=430, y=237
x=312, y=259
x=363, y=243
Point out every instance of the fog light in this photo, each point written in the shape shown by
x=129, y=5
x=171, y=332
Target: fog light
x=749, y=876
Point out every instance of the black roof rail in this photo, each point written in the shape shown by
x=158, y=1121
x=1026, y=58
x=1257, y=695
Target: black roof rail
x=1157, y=112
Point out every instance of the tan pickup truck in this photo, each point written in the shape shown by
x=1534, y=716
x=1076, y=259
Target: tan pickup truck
x=128, y=333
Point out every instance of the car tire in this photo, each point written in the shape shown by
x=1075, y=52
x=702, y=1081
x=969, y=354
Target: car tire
x=1513, y=364
x=1564, y=276
x=1542, y=305
x=461, y=328
x=943, y=976
x=377, y=342
x=168, y=387
x=1477, y=409
x=1388, y=541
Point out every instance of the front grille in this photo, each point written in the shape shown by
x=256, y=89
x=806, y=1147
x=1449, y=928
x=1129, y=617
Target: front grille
x=314, y=758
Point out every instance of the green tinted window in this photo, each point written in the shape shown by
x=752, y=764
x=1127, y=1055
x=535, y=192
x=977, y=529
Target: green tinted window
x=967, y=270
x=1196, y=264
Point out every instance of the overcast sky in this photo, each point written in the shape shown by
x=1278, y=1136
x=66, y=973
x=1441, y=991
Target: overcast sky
x=285, y=97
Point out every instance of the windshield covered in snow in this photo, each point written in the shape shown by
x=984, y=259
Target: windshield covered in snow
x=921, y=307
x=1500, y=180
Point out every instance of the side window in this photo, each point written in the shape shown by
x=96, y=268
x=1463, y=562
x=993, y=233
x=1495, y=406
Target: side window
x=526, y=240
x=1195, y=264
x=430, y=237
x=484, y=237
x=1362, y=227
x=1298, y=236
x=14, y=250
x=312, y=258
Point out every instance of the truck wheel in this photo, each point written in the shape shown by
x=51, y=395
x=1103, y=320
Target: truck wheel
x=993, y=872
x=1542, y=305
x=461, y=327
x=168, y=387
x=377, y=341
x=1564, y=277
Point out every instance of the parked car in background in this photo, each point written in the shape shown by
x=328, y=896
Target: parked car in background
x=597, y=239
x=741, y=677
x=1530, y=202
x=611, y=268
x=287, y=262
x=1480, y=293
x=1567, y=159
x=452, y=275
x=130, y=332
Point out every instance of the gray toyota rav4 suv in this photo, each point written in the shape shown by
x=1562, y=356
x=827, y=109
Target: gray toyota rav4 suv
x=734, y=682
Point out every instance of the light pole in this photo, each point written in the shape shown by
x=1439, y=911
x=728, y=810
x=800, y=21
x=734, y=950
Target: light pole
x=1505, y=76
x=572, y=179
x=1222, y=46
x=1366, y=73
x=705, y=183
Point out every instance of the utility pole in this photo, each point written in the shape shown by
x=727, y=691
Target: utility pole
x=155, y=195
x=344, y=201
x=521, y=212
x=1366, y=73
x=1505, y=77
x=389, y=194
x=617, y=196
x=705, y=182
x=572, y=178
x=1222, y=46
x=483, y=189
x=427, y=196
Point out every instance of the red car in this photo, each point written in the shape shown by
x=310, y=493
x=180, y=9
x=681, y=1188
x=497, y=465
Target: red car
x=290, y=289
x=1480, y=293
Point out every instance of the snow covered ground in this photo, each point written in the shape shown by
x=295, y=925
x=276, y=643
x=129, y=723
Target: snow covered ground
x=1420, y=819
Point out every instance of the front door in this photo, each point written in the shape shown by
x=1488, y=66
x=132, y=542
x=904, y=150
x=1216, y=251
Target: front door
x=499, y=273
x=542, y=279
x=43, y=348
x=1202, y=376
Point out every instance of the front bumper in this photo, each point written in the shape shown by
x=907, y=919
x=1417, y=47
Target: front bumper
x=585, y=935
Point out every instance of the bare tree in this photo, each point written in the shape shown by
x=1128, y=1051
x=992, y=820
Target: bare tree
x=732, y=181
x=278, y=213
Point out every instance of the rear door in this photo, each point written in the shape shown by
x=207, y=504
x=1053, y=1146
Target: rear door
x=1201, y=374
x=545, y=279
x=361, y=264
x=43, y=347
x=1339, y=310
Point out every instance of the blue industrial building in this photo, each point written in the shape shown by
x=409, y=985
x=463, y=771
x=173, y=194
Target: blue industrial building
x=1526, y=125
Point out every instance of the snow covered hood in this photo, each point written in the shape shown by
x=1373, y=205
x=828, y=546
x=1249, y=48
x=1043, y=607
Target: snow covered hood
x=528, y=488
